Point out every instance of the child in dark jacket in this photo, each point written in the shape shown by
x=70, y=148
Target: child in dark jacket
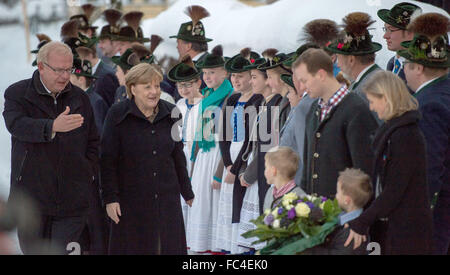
x=354, y=189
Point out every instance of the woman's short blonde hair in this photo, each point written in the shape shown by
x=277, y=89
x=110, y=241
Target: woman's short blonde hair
x=141, y=74
x=393, y=88
x=284, y=159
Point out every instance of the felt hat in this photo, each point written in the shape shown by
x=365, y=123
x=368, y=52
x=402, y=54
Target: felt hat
x=43, y=39
x=254, y=66
x=355, y=38
x=293, y=56
x=273, y=59
x=287, y=78
x=320, y=32
x=183, y=71
x=193, y=31
x=138, y=53
x=430, y=45
x=132, y=32
x=212, y=60
x=400, y=15
x=85, y=17
x=112, y=16
x=238, y=63
x=82, y=68
x=70, y=35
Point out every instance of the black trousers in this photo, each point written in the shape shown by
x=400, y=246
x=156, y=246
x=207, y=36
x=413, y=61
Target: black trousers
x=53, y=235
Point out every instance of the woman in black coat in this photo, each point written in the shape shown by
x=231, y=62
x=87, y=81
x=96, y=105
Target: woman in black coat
x=143, y=170
x=401, y=193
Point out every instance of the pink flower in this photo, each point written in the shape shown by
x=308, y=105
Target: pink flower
x=340, y=45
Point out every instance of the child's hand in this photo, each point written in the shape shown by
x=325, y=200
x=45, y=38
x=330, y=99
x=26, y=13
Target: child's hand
x=243, y=182
x=230, y=177
x=189, y=202
x=355, y=237
x=215, y=184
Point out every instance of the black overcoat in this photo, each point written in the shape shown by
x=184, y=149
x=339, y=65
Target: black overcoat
x=400, y=168
x=341, y=140
x=144, y=170
x=56, y=173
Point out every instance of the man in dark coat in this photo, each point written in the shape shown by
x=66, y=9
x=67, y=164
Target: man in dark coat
x=395, y=22
x=356, y=52
x=54, y=148
x=428, y=78
x=106, y=46
x=338, y=126
x=191, y=40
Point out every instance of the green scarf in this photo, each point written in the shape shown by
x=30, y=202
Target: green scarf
x=211, y=99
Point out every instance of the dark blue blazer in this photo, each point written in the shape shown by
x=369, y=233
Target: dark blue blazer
x=434, y=102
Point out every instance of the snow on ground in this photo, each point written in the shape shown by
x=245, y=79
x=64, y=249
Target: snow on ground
x=232, y=24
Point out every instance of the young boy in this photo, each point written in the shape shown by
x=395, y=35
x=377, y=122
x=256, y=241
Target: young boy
x=281, y=164
x=353, y=192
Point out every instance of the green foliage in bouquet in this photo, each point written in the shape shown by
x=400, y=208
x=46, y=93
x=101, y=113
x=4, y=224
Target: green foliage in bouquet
x=295, y=224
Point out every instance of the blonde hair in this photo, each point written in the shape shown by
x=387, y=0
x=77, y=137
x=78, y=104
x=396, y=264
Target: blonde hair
x=279, y=70
x=141, y=74
x=284, y=159
x=52, y=46
x=388, y=85
x=356, y=184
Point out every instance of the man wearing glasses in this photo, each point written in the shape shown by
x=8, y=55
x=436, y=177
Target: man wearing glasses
x=395, y=22
x=54, y=151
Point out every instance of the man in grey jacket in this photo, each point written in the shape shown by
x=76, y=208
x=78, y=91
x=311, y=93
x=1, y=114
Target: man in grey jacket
x=293, y=132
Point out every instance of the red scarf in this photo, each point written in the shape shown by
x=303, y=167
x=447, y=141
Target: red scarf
x=283, y=190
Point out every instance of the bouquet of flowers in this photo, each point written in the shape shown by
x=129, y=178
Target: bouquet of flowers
x=295, y=224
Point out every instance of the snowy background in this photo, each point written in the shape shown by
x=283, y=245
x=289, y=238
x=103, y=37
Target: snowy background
x=232, y=24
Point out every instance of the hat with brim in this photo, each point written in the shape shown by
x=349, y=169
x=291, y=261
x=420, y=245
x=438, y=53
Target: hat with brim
x=399, y=16
x=355, y=39
x=214, y=59
x=86, y=41
x=84, y=74
x=293, y=56
x=255, y=65
x=187, y=33
x=82, y=68
x=83, y=22
x=211, y=61
x=287, y=78
x=369, y=47
x=277, y=61
x=122, y=61
x=422, y=51
x=73, y=43
x=127, y=33
x=183, y=72
x=238, y=63
x=39, y=46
